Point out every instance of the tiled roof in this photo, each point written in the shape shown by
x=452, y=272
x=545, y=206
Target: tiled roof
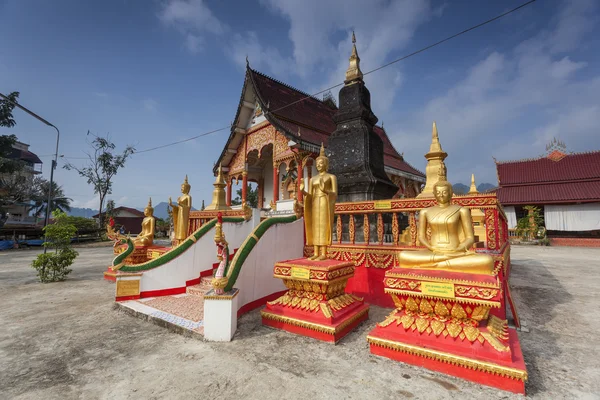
x=25, y=155
x=548, y=193
x=571, y=167
x=311, y=120
x=133, y=211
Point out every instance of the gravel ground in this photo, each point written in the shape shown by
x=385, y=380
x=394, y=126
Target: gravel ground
x=65, y=341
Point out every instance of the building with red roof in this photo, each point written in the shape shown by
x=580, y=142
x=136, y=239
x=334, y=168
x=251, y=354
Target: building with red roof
x=566, y=186
x=277, y=134
x=128, y=218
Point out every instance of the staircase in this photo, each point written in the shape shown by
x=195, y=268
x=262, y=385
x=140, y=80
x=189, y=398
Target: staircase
x=201, y=288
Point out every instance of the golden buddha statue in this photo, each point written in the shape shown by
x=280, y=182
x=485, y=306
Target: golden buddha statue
x=146, y=236
x=319, y=207
x=181, y=212
x=446, y=250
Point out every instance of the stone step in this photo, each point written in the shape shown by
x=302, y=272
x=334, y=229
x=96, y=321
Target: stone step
x=197, y=290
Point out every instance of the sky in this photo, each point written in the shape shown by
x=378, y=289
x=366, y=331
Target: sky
x=150, y=73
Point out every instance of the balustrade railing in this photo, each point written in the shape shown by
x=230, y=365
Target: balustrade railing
x=199, y=218
x=394, y=222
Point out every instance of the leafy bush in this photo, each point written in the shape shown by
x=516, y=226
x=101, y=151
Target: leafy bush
x=53, y=267
x=531, y=225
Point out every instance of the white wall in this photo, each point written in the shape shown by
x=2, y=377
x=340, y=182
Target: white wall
x=281, y=242
x=199, y=257
x=268, y=184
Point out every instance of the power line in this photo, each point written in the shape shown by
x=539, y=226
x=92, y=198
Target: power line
x=341, y=84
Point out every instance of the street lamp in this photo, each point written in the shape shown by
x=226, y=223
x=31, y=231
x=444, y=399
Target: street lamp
x=54, y=162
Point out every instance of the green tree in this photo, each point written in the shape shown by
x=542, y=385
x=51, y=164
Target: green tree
x=102, y=166
x=110, y=210
x=54, y=266
x=40, y=197
x=251, y=197
x=6, y=109
x=82, y=224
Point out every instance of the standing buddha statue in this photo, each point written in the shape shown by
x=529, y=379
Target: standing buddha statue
x=146, y=236
x=445, y=250
x=319, y=207
x=181, y=213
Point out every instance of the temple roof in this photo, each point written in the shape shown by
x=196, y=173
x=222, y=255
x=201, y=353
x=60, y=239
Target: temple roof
x=555, y=178
x=305, y=119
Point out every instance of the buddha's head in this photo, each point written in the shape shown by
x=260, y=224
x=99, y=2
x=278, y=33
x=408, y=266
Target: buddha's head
x=149, y=211
x=322, y=160
x=185, y=187
x=442, y=191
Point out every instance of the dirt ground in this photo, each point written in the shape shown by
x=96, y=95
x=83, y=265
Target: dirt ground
x=65, y=341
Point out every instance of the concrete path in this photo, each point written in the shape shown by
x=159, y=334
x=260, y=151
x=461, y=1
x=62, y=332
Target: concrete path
x=65, y=341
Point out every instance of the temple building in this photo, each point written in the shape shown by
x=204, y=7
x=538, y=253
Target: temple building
x=276, y=136
x=566, y=187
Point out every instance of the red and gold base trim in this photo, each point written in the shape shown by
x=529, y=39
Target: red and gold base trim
x=510, y=376
x=315, y=303
x=327, y=333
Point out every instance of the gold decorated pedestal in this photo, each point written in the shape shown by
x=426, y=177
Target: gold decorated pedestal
x=450, y=322
x=315, y=304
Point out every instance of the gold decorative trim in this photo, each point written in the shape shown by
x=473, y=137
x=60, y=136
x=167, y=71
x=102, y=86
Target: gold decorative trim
x=253, y=236
x=316, y=267
x=432, y=278
x=495, y=304
x=312, y=325
x=452, y=359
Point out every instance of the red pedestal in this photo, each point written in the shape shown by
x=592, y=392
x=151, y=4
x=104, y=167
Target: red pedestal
x=316, y=304
x=446, y=321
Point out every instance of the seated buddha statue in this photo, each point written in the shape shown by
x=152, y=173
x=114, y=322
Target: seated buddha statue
x=146, y=236
x=445, y=250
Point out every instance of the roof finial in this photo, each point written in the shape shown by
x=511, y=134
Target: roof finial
x=353, y=74
x=247, y=62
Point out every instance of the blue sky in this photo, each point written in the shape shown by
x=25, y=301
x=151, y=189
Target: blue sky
x=153, y=72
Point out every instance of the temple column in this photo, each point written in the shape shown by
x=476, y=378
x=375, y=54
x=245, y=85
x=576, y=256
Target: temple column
x=275, y=182
x=261, y=192
x=244, y=186
x=228, y=201
x=299, y=179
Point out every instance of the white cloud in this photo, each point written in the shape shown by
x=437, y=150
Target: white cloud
x=100, y=94
x=260, y=57
x=193, y=19
x=86, y=203
x=150, y=104
x=491, y=111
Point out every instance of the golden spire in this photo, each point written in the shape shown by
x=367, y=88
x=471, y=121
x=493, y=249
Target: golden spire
x=218, y=199
x=436, y=169
x=435, y=140
x=353, y=74
x=220, y=179
x=150, y=202
x=473, y=188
